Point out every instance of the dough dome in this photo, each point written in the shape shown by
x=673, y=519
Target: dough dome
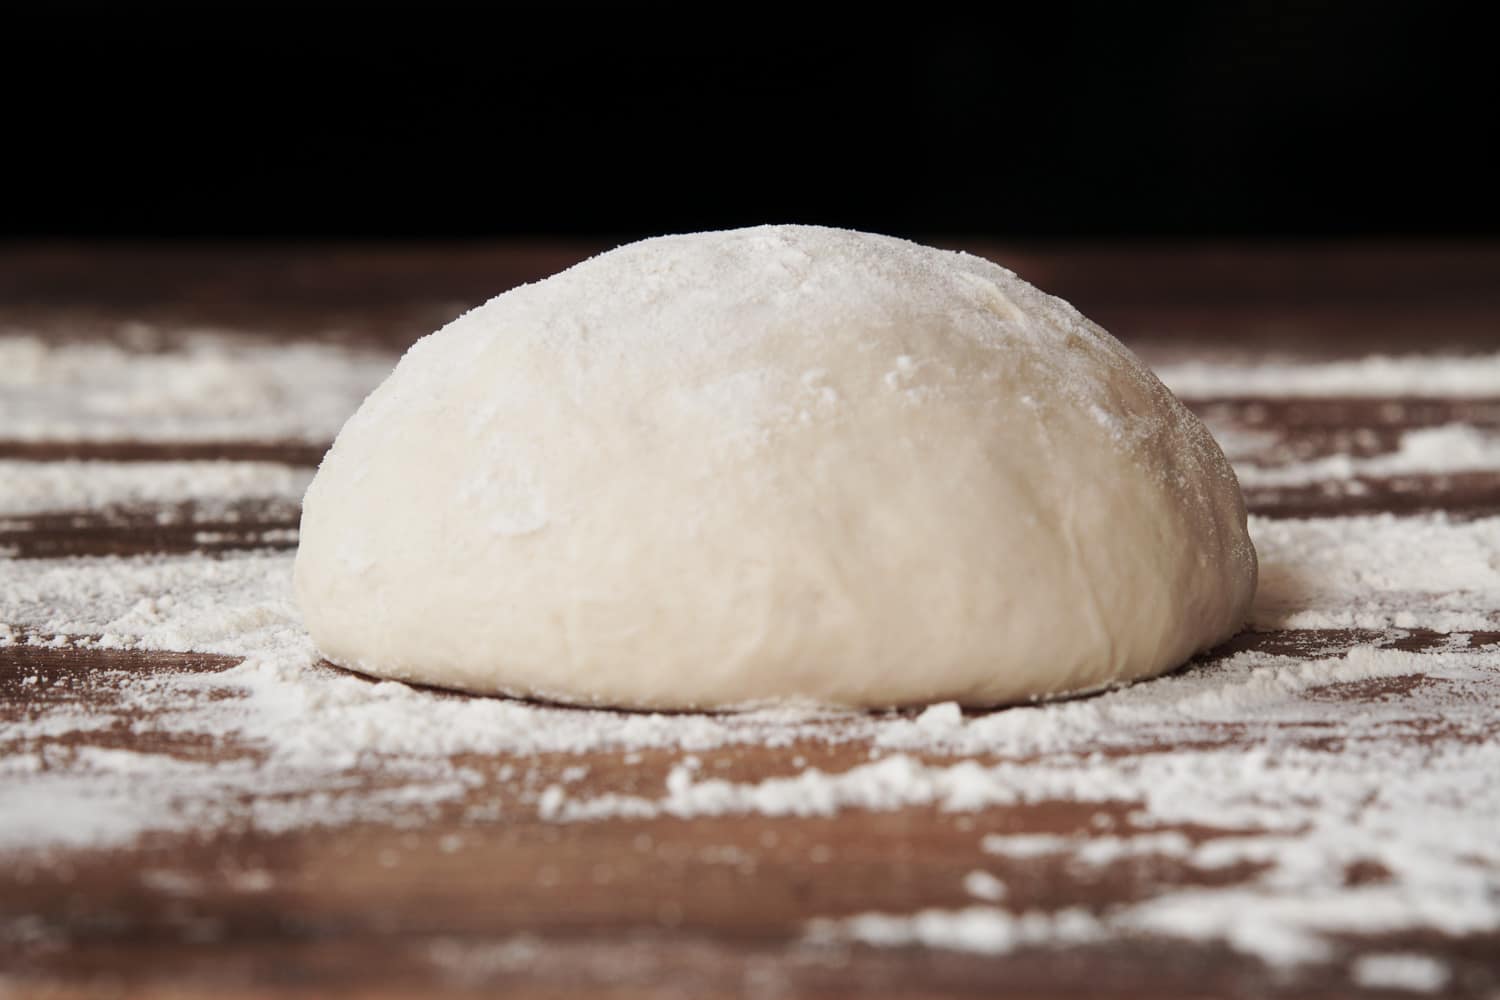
x=776, y=463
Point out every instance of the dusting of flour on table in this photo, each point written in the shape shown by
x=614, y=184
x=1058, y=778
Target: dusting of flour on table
x=205, y=387
x=1437, y=376
x=211, y=487
x=1425, y=451
x=1412, y=973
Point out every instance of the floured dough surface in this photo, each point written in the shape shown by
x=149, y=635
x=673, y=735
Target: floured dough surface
x=775, y=463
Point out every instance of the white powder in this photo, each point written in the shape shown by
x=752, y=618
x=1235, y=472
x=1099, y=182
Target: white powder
x=1400, y=971
x=1280, y=922
x=983, y=885
x=893, y=783
x=1423, y=812
x=255, y=536
x=1027, y=845
x=1378, y=571
x=1275, y=933
x=1425, y=451
x=941, y=717
x=983, y=929
x=213, y=487
x=237, y=606
x=470, y=964
x=1476, y=376
x=212, y=386
x=1090, y=850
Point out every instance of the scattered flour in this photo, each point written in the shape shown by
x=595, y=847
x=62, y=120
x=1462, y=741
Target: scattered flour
x=1424, y=451
x=259, y=536
x=471, y=964
x=209, y=386
x=1400, y=971
x=68, y=486
x=983, y=929
x=1273, y=928
x=1432, y=376
x=1378, y=571
x=1028, y=845
x=983, y=885
x=1090, y=850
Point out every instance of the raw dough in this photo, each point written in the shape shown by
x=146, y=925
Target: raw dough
x=775, y=463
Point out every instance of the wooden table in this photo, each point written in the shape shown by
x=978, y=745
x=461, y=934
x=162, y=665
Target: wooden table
x=708, y=905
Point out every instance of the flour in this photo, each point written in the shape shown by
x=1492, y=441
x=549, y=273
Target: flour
x=1426, y=451
x=211, y=386
x=1426, y=817
x=1378, y=571
x=213, y=488
x=1413, y=973
x=983, y=885
x=983, y=929
x=1475, y=376
x=1092, y=851
x=471, y=964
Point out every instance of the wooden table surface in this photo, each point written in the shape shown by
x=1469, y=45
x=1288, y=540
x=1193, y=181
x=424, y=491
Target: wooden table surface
x=700, y=905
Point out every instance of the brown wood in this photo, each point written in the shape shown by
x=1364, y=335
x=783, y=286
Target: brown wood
x=645, y=908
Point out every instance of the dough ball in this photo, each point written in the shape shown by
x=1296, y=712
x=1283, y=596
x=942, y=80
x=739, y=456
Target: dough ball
x=775, y=463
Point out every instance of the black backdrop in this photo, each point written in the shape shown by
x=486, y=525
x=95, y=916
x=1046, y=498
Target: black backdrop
x=1238, y=118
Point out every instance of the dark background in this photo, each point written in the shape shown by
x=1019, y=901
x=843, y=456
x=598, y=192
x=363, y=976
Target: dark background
x=1235, y=119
